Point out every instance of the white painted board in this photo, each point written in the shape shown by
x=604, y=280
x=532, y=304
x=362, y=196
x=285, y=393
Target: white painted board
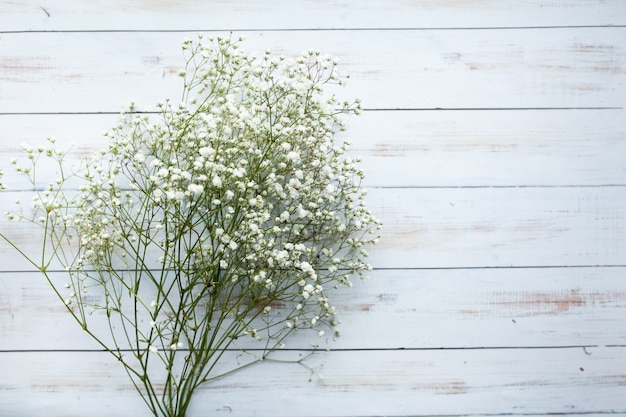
x=494, y=141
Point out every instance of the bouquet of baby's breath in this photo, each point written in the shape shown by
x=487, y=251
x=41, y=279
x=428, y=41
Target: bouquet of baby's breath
x=219, y=224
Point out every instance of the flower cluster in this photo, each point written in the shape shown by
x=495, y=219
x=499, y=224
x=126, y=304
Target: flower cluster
x=227, y=217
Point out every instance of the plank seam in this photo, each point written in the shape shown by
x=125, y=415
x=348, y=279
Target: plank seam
x=391, y=349
x=339, y=29
x=486, y=186
x=371, y=109
x=415, y=268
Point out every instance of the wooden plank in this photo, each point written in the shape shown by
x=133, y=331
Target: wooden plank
x=574, y=67
x=431, y=308
x=468, y=227
x=500, y=227
x=409, y=149
x=361, y=383
x=554, y=224
x=490, y=148
x=285, y=14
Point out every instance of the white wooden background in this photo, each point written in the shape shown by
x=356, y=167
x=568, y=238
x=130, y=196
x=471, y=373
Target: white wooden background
x=494, y=139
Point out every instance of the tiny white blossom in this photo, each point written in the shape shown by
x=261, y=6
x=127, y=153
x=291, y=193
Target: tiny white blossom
x=195, y=188
x=306, y=267
x=293, y=156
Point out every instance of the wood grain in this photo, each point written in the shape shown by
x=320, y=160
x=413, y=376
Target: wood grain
x=453, y=308
x=580, y=67
x=28, y=15
x=494, y=145
x=355, y=383
x=468, y=227
x=418, y=149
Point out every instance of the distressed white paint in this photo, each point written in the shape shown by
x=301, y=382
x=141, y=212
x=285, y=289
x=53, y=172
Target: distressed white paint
x=352, y=383
x=29, y=15
x=471, y=227
x=389, y=69
x=500, y=285
x=458, y=308
x=427, y=149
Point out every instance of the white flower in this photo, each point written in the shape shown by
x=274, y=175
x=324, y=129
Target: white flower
x=281, y=255
x=302, y=213
x=195, y=188
x=206, y=151
x=306, y=267
x=153, y=349
x=216, y=181
x=293, y=156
